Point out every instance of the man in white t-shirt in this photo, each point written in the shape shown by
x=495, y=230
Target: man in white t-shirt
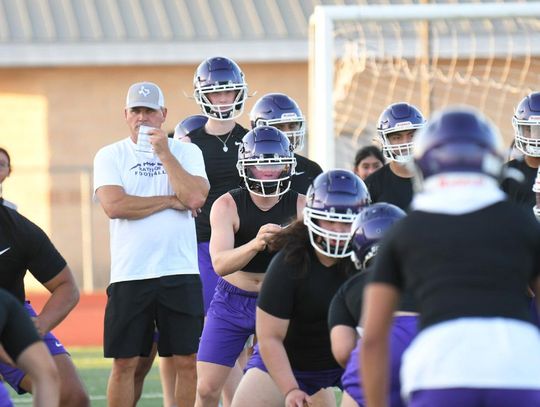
x=151, y=198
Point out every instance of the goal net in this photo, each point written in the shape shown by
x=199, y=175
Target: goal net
x=363, y=58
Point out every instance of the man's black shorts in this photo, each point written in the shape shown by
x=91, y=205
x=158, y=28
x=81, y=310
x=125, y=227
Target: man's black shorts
x=134, y=309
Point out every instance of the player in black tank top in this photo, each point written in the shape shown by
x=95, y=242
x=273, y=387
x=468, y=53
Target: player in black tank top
x=220, y=90
x=467, y=255
x=220, y=168
x=243, y=222
x=292, y=308
x=395, y=131
x=281, y=111
x=251, y=218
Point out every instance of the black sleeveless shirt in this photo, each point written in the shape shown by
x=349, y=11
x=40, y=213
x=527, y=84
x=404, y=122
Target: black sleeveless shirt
x=252, y=218
x=220, y=169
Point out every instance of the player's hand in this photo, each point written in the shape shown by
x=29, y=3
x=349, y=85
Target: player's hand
x=265, y=235
x=297, y=398
x=159, y=140
x=179, y=206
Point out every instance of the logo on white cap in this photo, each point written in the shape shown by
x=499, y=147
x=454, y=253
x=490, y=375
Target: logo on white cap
x=144, y=94
x=144, y=91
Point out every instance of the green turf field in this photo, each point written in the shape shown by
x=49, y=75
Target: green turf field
x=94, y=370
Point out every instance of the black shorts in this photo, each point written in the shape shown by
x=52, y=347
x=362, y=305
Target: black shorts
x=134, y=309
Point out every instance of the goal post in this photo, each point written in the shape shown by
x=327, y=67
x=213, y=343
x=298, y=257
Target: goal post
x=362, y=58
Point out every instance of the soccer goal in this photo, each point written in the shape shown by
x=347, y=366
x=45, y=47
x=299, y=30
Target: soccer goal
x=362, y=58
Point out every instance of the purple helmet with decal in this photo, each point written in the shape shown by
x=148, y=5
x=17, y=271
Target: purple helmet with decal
x=335, y=196
x=369, y=227
x=526, y=123
x=266, y=161
x=219, y=74
x=279, y=110
x=458, y=139
x=189, y=124
x=398, y=117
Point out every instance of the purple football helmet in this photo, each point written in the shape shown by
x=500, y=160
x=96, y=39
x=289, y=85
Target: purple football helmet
x=458, y=139
x=526, y=123
x=266, y=161
x=335, y=196
x=369, y=227
x=395, y=118
x=219, y=74
x=189, y=124
x=536, y=190
x=278, y=109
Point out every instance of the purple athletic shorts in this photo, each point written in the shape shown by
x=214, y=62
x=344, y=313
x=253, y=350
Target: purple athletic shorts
x=209, y=277
x=465, y=397
x=11, y=374
x=229, y=323
x=308, y=381
x=403, y=331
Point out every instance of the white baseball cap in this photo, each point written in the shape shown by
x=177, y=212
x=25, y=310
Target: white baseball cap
x=145, y=94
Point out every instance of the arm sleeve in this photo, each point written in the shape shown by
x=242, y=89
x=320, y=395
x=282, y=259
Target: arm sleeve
x=338, y=313
x=42, y=259
x=346, y=307
x=17, y=331
x=387, y=267
x=278, y=289
x=105, y=169
x=316, y=170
